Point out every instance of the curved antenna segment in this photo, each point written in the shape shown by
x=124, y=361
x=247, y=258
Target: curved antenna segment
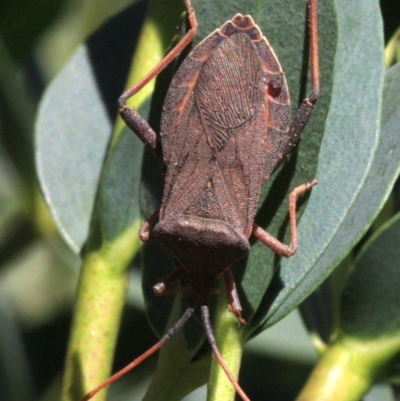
x=205, y=315
x=171, y=332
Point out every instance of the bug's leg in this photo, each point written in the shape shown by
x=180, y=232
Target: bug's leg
x=233, y=297
x=131, y=117
x=145, y=235
x=145, y=232
x=161, y=287
x=273, y=243
x=296, y=127
x=307, y=107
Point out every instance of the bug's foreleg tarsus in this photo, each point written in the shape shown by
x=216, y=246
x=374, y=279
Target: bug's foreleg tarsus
x=273, y=243
x=162, y=287
x=145, y=230
x=306, y=109
x=233, y=297
x=131, y=117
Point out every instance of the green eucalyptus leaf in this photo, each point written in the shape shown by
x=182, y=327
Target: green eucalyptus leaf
x=73, y=129
x=366, y=346
x=119, y=188
x=72, y=134
x=371, y=300
x=358, y=161
x=320, y=311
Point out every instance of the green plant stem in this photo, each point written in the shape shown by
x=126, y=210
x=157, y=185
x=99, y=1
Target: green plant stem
x=392, y=52
x=100, y=298
x=349, y=368
x=228, y=334
x=103, y=280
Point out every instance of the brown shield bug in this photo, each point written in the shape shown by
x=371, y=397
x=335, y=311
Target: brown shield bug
x=225, y=128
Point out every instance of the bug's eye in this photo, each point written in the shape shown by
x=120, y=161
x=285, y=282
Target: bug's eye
x=274, y=90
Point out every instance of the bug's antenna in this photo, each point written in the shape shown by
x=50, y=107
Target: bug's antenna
x=171, y=332
x=211, y=339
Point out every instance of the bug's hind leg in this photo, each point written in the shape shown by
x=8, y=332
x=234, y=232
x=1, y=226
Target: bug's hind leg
x=307, y=106
x=162, y=288
x=131, y=117
x=145, y=232
x=273, y=243
x=233, y=297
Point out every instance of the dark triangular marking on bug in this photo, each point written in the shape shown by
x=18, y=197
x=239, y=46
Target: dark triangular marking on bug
x=205, y=204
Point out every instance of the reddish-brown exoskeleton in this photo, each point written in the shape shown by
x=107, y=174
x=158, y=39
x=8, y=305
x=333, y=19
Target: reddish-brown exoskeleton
x=225, y=128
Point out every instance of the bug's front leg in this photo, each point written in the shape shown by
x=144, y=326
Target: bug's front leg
x=131, y=117
x=233, y=296
x=145, y=230
x=161, y=288
x=307, y=107
x=273, y=243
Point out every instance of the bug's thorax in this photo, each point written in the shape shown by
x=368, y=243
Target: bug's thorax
x=201, y=244
x=200, y=288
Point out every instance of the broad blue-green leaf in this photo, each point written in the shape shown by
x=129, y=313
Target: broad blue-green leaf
x=379, y=253
x=365, y=348
x=371, y=299
x=73, y=128
x=72, y=136
x=357, y=164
